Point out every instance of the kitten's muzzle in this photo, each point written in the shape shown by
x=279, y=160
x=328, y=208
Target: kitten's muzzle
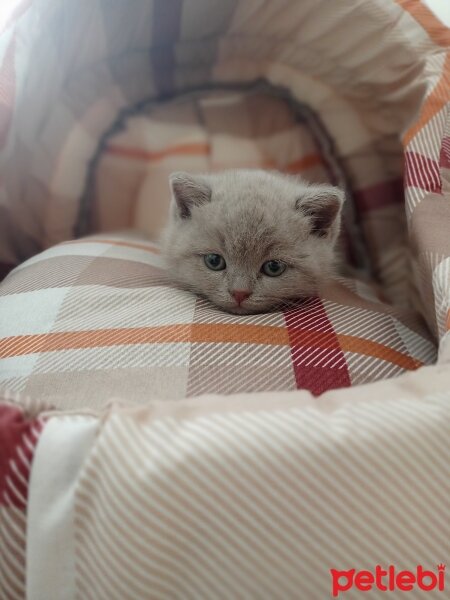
x=240, y=295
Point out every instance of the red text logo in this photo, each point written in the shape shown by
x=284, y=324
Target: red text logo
x=387, y=580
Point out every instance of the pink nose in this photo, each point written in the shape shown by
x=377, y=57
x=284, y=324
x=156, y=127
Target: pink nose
x=240, y=295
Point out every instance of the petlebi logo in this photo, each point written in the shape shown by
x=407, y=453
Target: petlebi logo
x=387, y=580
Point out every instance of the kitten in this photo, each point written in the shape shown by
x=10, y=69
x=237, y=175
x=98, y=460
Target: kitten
x=251, y=240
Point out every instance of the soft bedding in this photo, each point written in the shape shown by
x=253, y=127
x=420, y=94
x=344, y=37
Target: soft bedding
x=293, y=458
x=254, y=495
x=99, y=316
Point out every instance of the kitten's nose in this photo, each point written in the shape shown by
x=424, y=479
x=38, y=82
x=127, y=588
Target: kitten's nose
x=240, y=295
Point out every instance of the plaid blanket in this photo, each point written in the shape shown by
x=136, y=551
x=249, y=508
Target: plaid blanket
x=98, y=315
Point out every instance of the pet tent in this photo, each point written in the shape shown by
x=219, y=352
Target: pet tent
x=152, y=446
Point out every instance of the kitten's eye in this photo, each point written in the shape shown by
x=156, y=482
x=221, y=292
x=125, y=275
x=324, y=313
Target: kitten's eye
x=215, y=262
x=273, y=268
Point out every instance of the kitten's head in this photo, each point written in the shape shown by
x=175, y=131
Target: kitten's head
x=251, y=240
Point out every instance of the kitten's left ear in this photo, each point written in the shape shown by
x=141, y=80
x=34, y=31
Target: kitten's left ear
x=322, y=204
x=188, y=191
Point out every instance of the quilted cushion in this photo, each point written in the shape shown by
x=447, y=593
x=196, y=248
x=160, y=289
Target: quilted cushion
x=91, y=319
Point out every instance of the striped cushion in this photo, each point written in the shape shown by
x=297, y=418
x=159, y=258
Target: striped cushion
x=91, y=319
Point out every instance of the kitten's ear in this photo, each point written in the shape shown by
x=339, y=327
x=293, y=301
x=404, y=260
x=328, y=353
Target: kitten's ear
x=322, y=204
x=188, y=191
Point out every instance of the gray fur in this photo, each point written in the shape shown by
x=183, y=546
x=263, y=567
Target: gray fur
x=250, y=217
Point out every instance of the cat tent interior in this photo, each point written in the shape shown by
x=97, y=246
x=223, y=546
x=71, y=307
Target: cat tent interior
x=203, y=454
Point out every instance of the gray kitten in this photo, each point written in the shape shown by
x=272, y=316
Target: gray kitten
x=251, y=240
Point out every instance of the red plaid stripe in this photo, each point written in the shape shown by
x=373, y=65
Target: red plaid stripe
x=318, y=361
x=18, y=439
x=379, y=195
x=422, y=172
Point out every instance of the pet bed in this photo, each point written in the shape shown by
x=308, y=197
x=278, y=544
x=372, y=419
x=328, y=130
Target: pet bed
x=151, y=445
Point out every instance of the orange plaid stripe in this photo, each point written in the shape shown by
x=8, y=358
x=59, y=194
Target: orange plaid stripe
x=435, y=102
x=426, y=18
x=196, y=333
x=201, y=149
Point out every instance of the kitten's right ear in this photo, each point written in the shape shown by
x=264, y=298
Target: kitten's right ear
x=188, y=191
x=322, y=204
